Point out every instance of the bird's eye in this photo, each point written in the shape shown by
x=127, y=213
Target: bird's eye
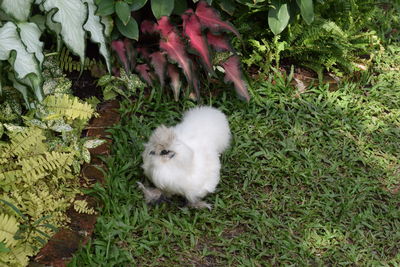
x=164, y=152
x=152, y=153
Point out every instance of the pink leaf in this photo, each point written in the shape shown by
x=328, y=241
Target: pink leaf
x=119, y=47
x=233, y=74
x=192, y=29
x=218, y=42
x=143, y=70
x=175, y=80
x=211, y=19
x=148, y=26
x=130, y=52
x=173, y=45
x=159, y=63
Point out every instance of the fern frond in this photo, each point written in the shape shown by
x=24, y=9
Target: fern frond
x=31, y=139
x=68, y=106
x=81, y=206
x=34, y=168
x=8, y=228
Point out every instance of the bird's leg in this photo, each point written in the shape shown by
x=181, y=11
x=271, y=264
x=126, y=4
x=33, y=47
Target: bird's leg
x=200, y=205
x=150, y=194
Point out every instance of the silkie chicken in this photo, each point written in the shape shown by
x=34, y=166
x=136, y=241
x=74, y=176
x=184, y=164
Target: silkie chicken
x=184, y=159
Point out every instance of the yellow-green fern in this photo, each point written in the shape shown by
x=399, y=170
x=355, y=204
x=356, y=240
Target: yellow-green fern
x=8, y=229
x=69, y=107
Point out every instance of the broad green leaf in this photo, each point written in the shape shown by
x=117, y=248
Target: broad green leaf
x=278, y=16
x=123, y=11
x=227, y=6
x=30, y=34
x=108, y=23
x=97, y=32
x=162, y=7
x=138, y=4
x=55, y=27
x=179, y=7
x=71, y=15
x=25, y=64
x=94, y=143
x=307, y=10
x=131, y=30
x=105, y=8
x=19, y=9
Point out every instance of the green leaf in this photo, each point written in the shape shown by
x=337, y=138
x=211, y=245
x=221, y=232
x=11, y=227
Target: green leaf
x=278, y=16
x=105, y=8
x=179, y=7
x=130, y=30
x=71, y=15
x=228, y=6
x=162, y=7
x=307, y=10
x=14, y=49
x=19, y=9
x=94, y=143
x=97, y=32
x=3, y=248
x=138, y=4
x=123, y=12
x=17, y=211
x=86, y=155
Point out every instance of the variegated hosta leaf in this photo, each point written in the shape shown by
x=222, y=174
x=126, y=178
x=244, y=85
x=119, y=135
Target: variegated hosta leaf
x=55, y=27
x=19, y=9
x=24, y=62
x=71, y=15
x=97, y=31
x=30, y=34
x=94, y=143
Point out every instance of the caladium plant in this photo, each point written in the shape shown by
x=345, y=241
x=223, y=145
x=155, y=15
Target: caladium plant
x=191, y=45
x=20, y=32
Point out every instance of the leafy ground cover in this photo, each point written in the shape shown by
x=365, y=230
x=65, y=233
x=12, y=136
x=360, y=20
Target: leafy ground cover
x=310, y=179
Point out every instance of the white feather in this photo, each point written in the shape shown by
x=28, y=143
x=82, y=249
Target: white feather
x=191, y=167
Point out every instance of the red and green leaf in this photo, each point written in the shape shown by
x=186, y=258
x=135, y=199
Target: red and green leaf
x=210, y=18
x=218, y=42
x=119, y=47
x=144, y=72
x=192, y=29
x=174, y=47
x=175, y=82
x=234, y=75
x=130, y=52
x=159, y=63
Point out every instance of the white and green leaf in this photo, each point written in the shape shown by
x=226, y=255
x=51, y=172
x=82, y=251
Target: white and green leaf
x=18, y=9
x=26, y=66
x=30, y=36
x=72, y=15
x=97, y=31
x=93, y=143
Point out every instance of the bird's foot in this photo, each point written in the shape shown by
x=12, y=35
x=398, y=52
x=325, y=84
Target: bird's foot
x=200, y=205
x=151, y=195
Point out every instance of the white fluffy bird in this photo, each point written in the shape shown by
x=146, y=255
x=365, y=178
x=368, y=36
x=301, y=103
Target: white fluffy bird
x=184, y=159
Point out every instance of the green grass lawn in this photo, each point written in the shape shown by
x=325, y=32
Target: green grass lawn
x=308, y=180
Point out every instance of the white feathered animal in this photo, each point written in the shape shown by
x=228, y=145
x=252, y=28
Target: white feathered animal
x=184, y=159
